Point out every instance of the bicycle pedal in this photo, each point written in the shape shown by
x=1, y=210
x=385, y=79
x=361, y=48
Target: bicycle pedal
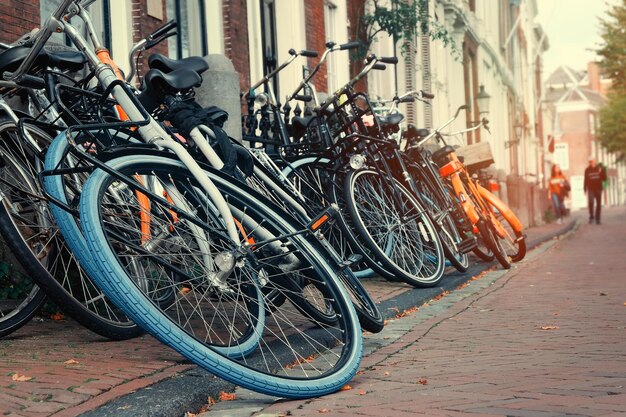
x=326, y=215
x=467, y=245
x=352, y=259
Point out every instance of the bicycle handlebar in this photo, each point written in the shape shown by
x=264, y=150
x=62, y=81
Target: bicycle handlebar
x=350, y=45
x=309, y=54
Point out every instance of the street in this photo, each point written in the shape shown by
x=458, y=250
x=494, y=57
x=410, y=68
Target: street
x=544, y=338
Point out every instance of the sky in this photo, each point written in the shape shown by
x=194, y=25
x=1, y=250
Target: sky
x=572, y=27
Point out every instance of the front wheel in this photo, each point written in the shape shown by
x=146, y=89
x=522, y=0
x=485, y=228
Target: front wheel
x=186, y=249
x=385, y=215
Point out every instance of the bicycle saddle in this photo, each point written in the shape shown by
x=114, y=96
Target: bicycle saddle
x=393, y=119
x=165, y=64
x=71, y=61
x=11, y=59
x=67, y=60
x=440, y=155
x=156, y=85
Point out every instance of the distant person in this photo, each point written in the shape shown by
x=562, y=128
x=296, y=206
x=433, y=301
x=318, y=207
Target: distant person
x=594, y=177
x=558, y=188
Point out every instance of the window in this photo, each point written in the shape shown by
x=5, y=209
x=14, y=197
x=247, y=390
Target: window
x=100, y=13
x=192, y=30
x=561, y=155
x=330, y=24
x=268, y=38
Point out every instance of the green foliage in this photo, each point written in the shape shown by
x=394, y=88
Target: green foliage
x=613, y=52
x=403, y=20
x=612, y=121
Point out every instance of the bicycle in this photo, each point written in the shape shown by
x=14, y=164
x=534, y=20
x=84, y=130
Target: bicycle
x=354, y=155
x=485, y=212
x=206, y=217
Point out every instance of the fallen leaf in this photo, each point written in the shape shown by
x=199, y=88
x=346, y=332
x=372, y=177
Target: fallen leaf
x=21, y=378
x=324, y=411
x=440, y=296
x=425, y=305
x=406, y=312
x=71, y=362
x=603, y=294
x=190, y=414
x=549, y=327
x=625, y=304
x=362, y=392
x=224, y=396
x=461, y=286
x=57, y=316
x=386, y=374
x=422, y=381
x=184, y=290
x=346, y=388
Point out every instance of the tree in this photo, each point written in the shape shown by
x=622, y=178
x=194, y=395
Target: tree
x=402, y=20
x=612, y=130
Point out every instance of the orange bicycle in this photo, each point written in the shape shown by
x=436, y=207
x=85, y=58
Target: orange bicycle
x=491, y=219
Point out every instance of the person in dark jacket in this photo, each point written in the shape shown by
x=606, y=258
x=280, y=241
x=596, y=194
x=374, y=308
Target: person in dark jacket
x=594, y=176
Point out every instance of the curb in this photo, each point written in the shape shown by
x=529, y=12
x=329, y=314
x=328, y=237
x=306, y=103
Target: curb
x=190, y=390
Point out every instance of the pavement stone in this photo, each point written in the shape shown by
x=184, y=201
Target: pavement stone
x=143, y=377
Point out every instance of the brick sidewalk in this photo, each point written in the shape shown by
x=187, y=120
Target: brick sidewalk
x=59, y=368
x=545, y=339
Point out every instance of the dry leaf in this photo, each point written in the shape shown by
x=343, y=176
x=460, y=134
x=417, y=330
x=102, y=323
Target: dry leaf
x=440, y=296
x=224, y=396
x=422, y=381
x=346, y=388
x=324, y=411
x=71, y=362
x=549, y=327
x=190, y=414
x=21, y=378
x=362, y=392
x=386, y=374
x=57, y=316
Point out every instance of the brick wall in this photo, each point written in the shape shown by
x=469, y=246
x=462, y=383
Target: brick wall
x=316, y=39
x=143, y=25
x=357, y=31
x=17, y=17
x=236, y=38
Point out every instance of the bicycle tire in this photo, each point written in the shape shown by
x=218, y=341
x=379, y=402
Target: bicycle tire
x=36, y=242
x=303, y=378
x=305, y=174
x=507, y=228
x=417, y=257
x=431, y=195
x=20, y=297
x=488, y=234
x=369, y=266
x=100, y=316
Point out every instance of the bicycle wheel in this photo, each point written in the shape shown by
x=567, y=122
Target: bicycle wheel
x=32, y=234
x=190, y=249
x=507, y=228
x=313, y=183
x=488, y=233
x=20, y=298
x=384, y=213
x=314, y=177
x=434, y=198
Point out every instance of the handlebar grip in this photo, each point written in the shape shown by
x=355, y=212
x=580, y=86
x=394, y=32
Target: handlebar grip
x=379, y=66
x=388, y=60
x=306, y=98
x=164, y=29
x=156, y=41
x=309, y=54
x=427, y=95
x=349, y=45
x=408, y=99
x=31, y=81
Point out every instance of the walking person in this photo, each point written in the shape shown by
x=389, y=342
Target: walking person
x=594, y=176
x=558, y=189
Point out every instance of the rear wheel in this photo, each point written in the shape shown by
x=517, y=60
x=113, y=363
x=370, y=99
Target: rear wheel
x=37, y=243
